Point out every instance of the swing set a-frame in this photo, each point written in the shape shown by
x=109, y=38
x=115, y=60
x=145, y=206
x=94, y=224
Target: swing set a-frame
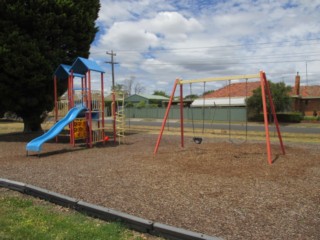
x=266, y=96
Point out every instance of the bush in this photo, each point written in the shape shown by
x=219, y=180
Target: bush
x=153, y=105
x=141, y=104
x=311, y=118
x=289, y=117
x=129, y=105
x=256, y=118
x=10, y=115
x=282, y=117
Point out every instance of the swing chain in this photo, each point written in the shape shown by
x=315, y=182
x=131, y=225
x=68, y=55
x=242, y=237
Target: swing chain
x=197, y=140
x=246, y=137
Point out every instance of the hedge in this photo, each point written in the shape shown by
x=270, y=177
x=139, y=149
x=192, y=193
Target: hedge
x=291, y=117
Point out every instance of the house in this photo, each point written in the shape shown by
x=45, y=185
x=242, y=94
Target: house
x=234, y=95
x=147, y=99
x=306, y=99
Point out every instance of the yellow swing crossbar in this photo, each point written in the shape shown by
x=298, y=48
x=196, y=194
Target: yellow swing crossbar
x=215, y=79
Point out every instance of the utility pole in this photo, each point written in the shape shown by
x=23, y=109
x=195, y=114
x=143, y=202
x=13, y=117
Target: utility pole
x=112, y=54
x=113, y=105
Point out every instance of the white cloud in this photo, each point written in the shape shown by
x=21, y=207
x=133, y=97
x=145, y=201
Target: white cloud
x=162, y=83
x=172, y=24
x=130, y=36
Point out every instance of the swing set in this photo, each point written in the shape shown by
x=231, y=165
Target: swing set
x=266, y=96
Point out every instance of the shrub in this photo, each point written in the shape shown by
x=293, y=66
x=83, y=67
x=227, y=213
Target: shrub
x=141, y=104
x=311, y=118
x=292, y=117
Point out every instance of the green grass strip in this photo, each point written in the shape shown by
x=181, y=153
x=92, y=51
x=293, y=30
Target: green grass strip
x=22, y=218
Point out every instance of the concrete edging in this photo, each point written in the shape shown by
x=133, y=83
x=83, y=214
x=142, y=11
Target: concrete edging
x=103, y=213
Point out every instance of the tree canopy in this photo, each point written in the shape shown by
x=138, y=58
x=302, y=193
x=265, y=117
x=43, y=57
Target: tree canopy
x=160, y=93
x=207, y=92
x=37, y=36
x=191, y=96
x=280, y=95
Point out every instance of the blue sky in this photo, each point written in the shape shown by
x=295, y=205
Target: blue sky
x=157, y=41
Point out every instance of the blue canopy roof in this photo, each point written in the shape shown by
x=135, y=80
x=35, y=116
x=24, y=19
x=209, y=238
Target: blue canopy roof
x=83, y=65
x=63, y=72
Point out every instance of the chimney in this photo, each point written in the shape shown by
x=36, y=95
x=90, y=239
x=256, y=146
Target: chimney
x=297, y=85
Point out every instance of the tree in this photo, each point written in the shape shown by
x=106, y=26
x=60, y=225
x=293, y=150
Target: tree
x=118, y=88
x=37, y=36
x=192, y=97
x=207, y=92
x=139, y=88
x=160, y=93
x=280, y=95
x=131, y=86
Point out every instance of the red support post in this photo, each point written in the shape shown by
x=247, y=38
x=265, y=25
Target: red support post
x=89, y=109
x=55, y=99
x=70, y=105
x=55, y=102
x=274, y=113
x=82, y=92
x=113, y=109
x=69, y=94
x=265, y=114
x=181, y=116
x=86, y=91
x=166, y=116
x=71, y=90
x=102, y=107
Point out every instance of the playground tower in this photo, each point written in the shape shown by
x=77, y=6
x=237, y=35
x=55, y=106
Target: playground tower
x=90, y=125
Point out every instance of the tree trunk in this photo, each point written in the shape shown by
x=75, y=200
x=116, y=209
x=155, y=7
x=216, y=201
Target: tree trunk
x=32, y=124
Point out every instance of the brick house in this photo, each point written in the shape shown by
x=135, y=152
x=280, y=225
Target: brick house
x=306, y=99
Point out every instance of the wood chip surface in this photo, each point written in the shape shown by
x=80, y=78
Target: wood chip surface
x=216, y=188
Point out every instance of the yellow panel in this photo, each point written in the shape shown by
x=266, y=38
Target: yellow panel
x=80, y=130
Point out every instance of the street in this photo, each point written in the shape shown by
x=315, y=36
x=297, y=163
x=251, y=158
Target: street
x=288, y=128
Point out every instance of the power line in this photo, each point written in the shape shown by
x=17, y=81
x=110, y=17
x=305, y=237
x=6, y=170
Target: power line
x=231, y=63
x=224, y=46
x=196, y=48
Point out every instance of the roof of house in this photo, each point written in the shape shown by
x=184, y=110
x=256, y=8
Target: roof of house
x=223, y=101
x=242, y=89
x=307, y=91
x=148, y=96
x=155, y=97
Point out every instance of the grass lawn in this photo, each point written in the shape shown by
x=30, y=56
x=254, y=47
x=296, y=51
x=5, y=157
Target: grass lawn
x=24, y=217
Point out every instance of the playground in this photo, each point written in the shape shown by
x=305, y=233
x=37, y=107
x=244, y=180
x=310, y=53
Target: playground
x=254, y=190
x=217, y=188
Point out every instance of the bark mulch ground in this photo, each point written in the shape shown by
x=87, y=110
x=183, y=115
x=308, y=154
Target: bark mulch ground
x=217, y=188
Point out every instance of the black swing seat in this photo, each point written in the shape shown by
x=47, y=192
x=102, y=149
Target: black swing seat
x=197, y=140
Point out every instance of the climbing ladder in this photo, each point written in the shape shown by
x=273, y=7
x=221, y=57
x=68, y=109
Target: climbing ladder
x=121, y=120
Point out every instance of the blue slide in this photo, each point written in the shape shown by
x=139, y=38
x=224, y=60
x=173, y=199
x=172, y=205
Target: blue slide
x=35, y=144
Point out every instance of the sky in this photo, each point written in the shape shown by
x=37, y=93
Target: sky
x=157, y=41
